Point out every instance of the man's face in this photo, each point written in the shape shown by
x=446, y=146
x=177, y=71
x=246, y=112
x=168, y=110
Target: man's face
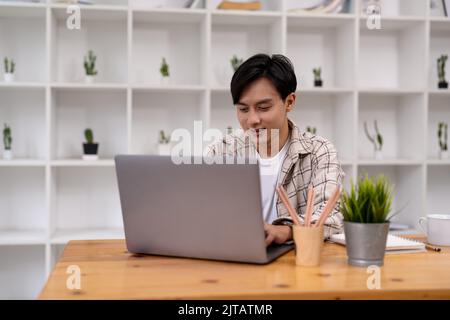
x=261, y=109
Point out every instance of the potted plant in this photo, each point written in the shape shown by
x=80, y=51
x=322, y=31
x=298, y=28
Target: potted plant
x=90, y=148
x=236, y=62
x=7, y=141
x=443, y=84
x=10, y=67
x=317, y=77
x=442, y=136
x=366, y=223
x=376, y=139
x=164, y=146
x=164, y=70
x=89, y=66
x=312, y=130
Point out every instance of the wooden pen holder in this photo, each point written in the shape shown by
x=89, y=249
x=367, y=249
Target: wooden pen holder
x=308, y=245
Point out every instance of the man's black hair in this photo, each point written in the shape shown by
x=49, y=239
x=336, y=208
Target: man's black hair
x=277, y=68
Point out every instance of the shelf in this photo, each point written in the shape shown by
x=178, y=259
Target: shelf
x=168, y=88
x=22, y=10
x=64, y=236
x=439, y=93
x=389, y=162
x=323, y=91
x=22, y=163
x=22, y=237
x=22, y=85
x=169, y=15
x=85, y=86
x=82, y=163
x=389, y=91
x=438, y=162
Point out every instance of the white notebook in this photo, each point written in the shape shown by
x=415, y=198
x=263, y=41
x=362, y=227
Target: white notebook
x=394, y=244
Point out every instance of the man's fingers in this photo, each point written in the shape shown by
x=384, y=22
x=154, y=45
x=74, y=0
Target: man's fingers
x=269, y=239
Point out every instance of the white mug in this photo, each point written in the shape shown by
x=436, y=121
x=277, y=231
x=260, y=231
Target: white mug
x=437, y=229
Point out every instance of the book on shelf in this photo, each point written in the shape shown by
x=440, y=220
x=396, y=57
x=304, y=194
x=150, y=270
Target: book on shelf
x=319, y=6
x=239, y=5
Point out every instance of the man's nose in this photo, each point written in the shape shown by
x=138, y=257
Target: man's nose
x=253, y=119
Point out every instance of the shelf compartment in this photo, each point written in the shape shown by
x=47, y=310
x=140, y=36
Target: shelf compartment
x=325, y=43
x=386, y=55
x=175, y=111
x=223, y=112
x=24, y=111
x=23, y=30
x=23, y=209
x=438, y=111
x=84, y=199
x=242, y=36
x=103, y=31
x=438, y=190
x=400, y=121
x=23, y=272
x=408, y=182
x=177, y=37
x=327, y=112
x=439, y=44
x=75, y=110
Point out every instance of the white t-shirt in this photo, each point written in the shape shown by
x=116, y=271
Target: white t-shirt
x=269, y=172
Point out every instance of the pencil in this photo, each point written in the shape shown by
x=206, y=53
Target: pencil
x=433, y=248
x=329, y=206
x=284, y=198
x=309, y=206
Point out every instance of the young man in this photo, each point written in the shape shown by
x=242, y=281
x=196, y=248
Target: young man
x=263, y=90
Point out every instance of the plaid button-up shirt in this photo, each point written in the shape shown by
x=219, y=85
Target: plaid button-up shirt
x=310, y=159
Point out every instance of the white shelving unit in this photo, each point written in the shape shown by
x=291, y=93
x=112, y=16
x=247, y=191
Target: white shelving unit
x=48, y=195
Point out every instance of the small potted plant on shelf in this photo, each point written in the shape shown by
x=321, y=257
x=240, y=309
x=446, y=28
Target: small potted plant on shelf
x=7, y=142
x=164, y=146
x=312, y=130
x=89, y=66
x=317, y=77
x=442, y=136
x=441, y=61
x=90, y=148
x=164, y=70
x=376, y=139
x=366, y=223
x=10, y=67
x=236, y=62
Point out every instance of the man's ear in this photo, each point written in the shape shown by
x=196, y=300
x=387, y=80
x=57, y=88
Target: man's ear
x=290, y=102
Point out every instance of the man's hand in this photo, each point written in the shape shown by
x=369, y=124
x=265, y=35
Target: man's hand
x=277, y=234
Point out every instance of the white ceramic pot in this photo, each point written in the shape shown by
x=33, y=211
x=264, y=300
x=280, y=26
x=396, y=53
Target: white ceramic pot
x=9, y=77
x=89, y=79
x=165, y=81
x=7, y=154
x=164, y=149
x=443, y=155
x=90, y=157
x=378, y=154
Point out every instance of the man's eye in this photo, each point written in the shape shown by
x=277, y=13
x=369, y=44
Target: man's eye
x=244, y=110
x=264, y=108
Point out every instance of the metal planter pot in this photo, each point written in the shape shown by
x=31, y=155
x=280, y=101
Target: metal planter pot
x=366, y=243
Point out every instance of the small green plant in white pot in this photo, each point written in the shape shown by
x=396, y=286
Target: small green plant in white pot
x=443, y=136
x=10, y=68
x=90, y=148
x=7, y=143
x=236, y=62
x=441, y=61
x=164, y=145
x=376, y=139
x=89, y=66
x=312, y=130
x=317, y=77
x=164, y=70
x=366, y=223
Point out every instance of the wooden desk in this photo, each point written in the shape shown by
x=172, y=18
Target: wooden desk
x=108, y=271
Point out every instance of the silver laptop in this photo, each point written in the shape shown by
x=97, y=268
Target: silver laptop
x=205, y=211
